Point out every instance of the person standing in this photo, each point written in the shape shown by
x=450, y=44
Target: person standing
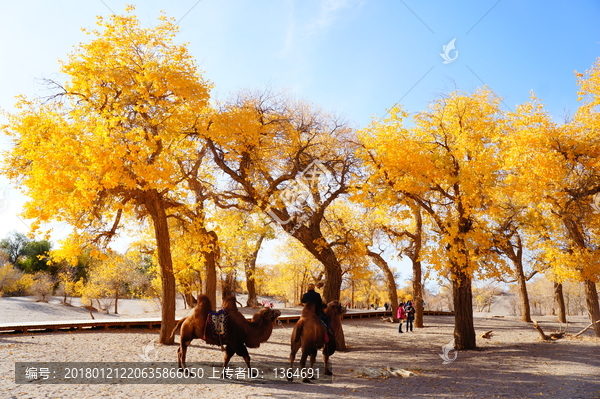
x=409, y=310
x=400, y=315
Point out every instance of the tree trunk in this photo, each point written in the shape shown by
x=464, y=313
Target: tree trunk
x=117, y=301
x=591, y=299
x=163, y=243
x=508, y=248
x=251, y=287
x=389, y=280
x=333, y=276
x=591, y=293
x=464, y=330
x=340, y=340
x=560, y=303
x=189, y=300
x=523, y=295
x=418, y=293
x=312, y=239
x=415, y=255
x=250, y=269
x=517, y=259
x=211, y=254
x=228, y=285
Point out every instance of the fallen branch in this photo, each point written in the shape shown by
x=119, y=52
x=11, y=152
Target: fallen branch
x=585, y=329
x=539, y=329
x=487, y=334
x=383, y=372
x=545, y=337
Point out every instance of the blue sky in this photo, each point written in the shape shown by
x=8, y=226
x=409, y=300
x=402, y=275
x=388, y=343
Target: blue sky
x=353, y=58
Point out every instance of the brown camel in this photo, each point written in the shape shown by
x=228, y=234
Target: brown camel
x=240, y=333
x=309, y=334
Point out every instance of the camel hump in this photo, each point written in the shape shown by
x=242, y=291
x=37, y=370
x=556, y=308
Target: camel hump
x=203, y=302
x=229, y=303
x=309, y=309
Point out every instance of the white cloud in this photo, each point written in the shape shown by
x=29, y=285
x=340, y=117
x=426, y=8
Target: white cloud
x=328, y=13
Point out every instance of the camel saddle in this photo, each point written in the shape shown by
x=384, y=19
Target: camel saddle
x=216, y=325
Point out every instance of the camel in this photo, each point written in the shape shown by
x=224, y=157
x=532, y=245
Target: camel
x=309, y=334
x=240, y=333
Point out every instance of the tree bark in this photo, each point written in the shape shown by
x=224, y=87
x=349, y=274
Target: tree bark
x=591, y=293
x=508, y=248
x=418, y=293
x=517, y=259
x=591, y=299
x=523, y=294
x=560, y=303
x=464, y=329
x=211, y=254
x=158, y=214
x=389, y=280
x=540, y=331
x=585, y=329
x=117, y=301
x=90, y=308
x=186, y=299
x=312, y=239
x=250, y=270
x=340, y=339
x=228, y=285
x=415, y=255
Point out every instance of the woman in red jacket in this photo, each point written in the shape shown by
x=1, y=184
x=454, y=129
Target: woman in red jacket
x=400, y=315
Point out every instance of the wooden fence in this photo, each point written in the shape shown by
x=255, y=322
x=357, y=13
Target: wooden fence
x=152, y=323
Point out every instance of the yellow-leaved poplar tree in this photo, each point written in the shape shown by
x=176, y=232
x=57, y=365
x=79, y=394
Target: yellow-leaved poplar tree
x=557, y=171
x=104, y=146
x=447, y=165
x=288, y=159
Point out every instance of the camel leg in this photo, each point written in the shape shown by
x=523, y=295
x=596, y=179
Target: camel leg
x=313, y=358
x=305, y=353
x=326, y=362
x=295, y=348
x=243, y=352
x=181, y=353
x=179, y=357
x=227, y=355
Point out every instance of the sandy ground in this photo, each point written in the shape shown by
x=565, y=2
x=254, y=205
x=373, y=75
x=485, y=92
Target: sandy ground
x=514, y=363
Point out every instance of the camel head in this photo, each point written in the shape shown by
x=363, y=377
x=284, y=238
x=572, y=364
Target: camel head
x=337, y=307
x=267, y=313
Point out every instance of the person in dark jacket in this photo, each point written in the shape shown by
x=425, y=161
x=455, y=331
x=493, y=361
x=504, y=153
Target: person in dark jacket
x=312, y=296
x=409, y=310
